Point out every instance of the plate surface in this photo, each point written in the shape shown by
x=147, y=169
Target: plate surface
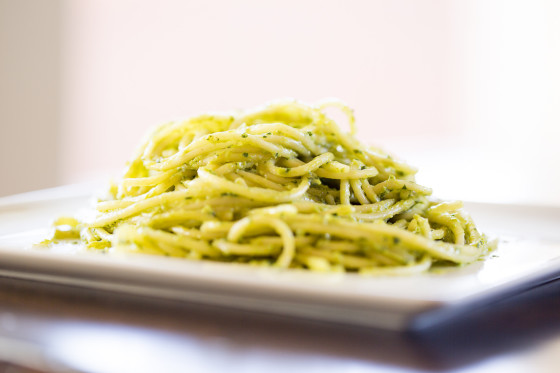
x=528, y=255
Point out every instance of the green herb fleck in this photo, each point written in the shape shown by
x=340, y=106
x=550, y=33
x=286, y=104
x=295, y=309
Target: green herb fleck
x=245, y=155
x=244, y=135
x=384, y=192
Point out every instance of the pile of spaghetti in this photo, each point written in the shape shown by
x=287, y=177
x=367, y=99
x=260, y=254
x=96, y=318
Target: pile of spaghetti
x=282, y=186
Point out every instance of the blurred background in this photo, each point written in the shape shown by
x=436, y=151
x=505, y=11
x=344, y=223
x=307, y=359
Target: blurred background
x=468, y=91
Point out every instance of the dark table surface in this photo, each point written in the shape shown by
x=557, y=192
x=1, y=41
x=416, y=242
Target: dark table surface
x=61, y=328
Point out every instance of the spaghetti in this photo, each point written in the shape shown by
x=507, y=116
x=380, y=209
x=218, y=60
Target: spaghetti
x=282, y=186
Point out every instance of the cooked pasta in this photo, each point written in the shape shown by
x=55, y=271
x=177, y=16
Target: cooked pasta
x=284, y=186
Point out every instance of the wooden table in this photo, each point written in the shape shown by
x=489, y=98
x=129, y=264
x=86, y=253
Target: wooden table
x=96, y=331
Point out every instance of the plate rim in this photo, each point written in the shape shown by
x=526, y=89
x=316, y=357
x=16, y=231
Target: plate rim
x=392, y=313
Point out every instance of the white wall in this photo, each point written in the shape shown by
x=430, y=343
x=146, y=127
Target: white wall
x=132, y=64
x=469, y=91
x=505, y=59
x=29, y=94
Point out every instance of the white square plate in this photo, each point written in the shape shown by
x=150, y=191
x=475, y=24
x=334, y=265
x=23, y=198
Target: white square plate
x=528, y=255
